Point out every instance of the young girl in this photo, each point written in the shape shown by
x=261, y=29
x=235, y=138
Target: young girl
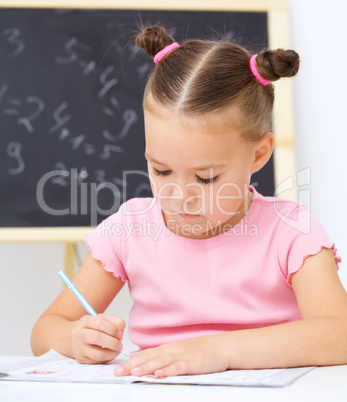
x=221, y=277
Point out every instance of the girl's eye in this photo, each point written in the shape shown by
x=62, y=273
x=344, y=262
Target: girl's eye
x=160, y=172
x=199, y=179
x=207, y=181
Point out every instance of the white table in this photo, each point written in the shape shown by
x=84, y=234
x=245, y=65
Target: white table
x=321, y=384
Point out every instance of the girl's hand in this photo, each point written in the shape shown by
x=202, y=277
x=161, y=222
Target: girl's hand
x=192, y=356
x=97, y=339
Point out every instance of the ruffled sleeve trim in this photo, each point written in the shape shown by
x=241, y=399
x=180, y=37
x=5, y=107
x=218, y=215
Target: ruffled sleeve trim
x=315, y=251
x=98, y=257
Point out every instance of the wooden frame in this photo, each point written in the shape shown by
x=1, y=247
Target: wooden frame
x=283, y=125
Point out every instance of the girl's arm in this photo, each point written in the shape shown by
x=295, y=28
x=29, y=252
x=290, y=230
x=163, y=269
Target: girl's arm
x=319, y=338
x=67, y=328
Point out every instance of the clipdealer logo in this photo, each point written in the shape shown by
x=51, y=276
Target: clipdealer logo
x=299, y=221
x=83, y=193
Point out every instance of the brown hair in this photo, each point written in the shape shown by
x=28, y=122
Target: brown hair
x=203, y=76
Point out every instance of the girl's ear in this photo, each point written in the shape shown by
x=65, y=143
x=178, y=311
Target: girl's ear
x=263, y=151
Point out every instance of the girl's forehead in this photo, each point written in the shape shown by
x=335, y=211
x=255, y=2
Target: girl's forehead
x=214, y=123
x=177, y=138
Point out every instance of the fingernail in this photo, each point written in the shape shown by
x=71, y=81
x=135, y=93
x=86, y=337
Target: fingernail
x=119, y=334
x=119, y=370
x=119, y=347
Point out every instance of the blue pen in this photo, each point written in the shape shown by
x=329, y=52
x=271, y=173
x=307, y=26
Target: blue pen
x=80, y=298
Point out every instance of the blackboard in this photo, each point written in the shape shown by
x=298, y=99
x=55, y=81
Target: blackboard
x=71, y=85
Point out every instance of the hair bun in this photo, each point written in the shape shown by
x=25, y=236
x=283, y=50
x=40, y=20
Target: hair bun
x=274, y=64
x=153, y=39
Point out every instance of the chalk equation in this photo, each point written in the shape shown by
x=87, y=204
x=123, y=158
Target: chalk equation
x=68, y=105
x=26, y=111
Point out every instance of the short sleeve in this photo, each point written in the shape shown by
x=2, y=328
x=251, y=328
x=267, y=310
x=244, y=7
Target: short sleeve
x=301, y=236
x=105, y=245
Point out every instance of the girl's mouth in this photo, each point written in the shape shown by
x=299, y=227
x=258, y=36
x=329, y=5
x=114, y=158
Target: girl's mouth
x=188, y=216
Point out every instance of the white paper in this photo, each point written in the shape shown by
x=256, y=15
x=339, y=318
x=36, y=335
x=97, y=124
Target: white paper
x=54, y=367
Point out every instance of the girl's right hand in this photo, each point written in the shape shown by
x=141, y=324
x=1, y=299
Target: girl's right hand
x=97, y=339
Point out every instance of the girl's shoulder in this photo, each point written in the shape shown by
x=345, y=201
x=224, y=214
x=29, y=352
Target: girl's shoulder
x=266, y=201
x=277, y=207
x=282, y=215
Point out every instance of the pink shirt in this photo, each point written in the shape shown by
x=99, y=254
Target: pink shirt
x=183, y=288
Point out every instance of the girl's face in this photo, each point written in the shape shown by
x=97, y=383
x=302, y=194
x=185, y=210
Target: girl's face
x=199, y=172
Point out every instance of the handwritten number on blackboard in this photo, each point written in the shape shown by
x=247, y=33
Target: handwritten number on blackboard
x=69, y=47
x=14, y=150
x=129, y=118
x=26, y=121
x=106, y=85
x=16, y=110
x=60, y=121
x=12, y=35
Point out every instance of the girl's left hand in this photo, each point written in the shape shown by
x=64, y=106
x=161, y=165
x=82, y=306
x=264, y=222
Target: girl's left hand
x=200, y=355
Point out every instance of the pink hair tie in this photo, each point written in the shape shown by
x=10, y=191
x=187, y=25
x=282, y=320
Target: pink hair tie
x=255, y=71
x=167, y=49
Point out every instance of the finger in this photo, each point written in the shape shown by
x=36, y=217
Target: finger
x=137, y=361
x=117, y=321
x=125, y=368
x=97, y=355
x=152, y=366
x=176, y=368
x=102, y=324
x=97, y=338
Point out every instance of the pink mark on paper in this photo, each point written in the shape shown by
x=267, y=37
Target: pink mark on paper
x=39, y=372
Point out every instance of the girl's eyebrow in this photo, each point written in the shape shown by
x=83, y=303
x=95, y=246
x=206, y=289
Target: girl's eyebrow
x=200, y=168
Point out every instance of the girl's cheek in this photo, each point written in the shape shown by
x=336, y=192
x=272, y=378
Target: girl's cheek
x=228, y=208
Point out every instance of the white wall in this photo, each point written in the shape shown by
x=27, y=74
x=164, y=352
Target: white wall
x=318, y=34
x=28, y=273
x=29, y=282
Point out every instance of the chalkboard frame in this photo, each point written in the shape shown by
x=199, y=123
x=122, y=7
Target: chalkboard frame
x=283, y=125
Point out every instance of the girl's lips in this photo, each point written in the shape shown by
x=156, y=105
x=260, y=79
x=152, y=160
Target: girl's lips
x=188, y=216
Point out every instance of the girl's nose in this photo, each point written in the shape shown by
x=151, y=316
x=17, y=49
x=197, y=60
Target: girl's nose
x=186, y=194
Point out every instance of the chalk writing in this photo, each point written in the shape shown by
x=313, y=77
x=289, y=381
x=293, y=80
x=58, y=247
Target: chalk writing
x=17, y=109
x=129, y=118
x=12, y=35
x=60, y=121
x=108, y=149
x=14, y=150
x=70, y=47
x=106, y=85
x=71, y=87
x=26, y=121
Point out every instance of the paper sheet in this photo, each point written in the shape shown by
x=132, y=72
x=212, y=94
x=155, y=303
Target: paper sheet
x=56, y=368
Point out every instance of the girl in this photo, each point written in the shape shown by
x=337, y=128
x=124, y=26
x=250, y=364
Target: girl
x=221, y=277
